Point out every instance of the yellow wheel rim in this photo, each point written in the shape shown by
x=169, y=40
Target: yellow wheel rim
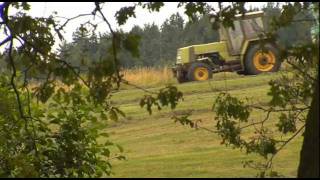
x=201, y=74
x=264, y=61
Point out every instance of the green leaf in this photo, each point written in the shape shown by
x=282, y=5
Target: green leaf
x=286, y=123
x=124, y=13
x=106, y=152
x=153, y=6
x=192, y=8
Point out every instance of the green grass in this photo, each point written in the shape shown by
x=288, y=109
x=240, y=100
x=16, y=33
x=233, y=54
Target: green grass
x=157, y=147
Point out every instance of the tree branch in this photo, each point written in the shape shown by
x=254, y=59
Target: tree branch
x=70, y=19
x=16, y=91
x=59, y=60
x=269, y=163
x=98, y=8
x=302, y=72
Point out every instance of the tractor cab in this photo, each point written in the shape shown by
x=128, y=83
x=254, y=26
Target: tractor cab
x=246, y=28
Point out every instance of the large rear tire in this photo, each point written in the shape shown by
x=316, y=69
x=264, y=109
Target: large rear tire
x=199, y=72
x=258, y=61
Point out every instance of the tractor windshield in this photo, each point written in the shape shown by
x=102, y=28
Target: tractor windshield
x=222, y=34
x=253, y=27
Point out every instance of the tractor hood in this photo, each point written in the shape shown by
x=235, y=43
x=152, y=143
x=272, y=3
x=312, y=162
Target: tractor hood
x=191, y=53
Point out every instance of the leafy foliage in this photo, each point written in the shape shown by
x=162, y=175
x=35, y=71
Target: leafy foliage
x=124, y=13
x=166, y=96
x=192, y=8
x=229, y=109
x=152, y=6
x=65, y=136
x=184, y=120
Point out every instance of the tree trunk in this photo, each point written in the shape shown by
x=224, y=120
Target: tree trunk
x=309, y=155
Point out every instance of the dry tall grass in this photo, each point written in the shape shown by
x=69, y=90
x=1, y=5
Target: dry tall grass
x=149, y=76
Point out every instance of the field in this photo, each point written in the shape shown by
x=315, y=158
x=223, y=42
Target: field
x=157, y=147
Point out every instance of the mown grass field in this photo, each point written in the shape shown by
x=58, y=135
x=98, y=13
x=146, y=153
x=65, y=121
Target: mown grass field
x=157, y=147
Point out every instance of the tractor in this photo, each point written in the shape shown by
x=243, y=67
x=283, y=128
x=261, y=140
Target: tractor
x=239, y=50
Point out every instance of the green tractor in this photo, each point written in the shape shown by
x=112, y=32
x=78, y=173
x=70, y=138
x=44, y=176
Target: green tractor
x=238, y=51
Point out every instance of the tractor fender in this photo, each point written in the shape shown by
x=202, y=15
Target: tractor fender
x=245, y=48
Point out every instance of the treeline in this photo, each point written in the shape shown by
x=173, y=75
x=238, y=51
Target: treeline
x=157, y=45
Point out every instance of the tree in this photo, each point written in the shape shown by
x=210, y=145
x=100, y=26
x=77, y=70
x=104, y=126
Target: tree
x=83, y=48
x=171, y=37
x=199, y=31
x=309, y=161
x=150, y=45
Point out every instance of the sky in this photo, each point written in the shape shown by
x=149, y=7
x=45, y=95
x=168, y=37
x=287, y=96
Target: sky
x=71, y=9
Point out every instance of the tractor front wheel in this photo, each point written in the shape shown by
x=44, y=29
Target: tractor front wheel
x=199, y=72
x=181, y=77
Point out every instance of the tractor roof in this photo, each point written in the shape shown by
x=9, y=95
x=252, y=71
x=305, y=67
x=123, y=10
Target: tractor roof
x=250, y=15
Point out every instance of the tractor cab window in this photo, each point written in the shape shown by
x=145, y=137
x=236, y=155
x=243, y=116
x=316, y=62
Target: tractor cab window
x=223, y=34
x=236, y=38
x=252, y=27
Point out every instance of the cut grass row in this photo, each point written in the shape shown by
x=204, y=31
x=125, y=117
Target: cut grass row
x=201, y=94
x=199, y=87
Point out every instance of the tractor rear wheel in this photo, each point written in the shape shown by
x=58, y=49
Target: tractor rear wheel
x=258, y=61
x=199, y=72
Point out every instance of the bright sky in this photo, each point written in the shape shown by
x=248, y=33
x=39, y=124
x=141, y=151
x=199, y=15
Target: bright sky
x=71, y=9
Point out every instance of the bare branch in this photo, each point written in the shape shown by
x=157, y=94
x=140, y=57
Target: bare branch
x=301, y=71
x=73, y=18
x=76, y=73
x=279, y=110
x=206, y=129
x=260, y=122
